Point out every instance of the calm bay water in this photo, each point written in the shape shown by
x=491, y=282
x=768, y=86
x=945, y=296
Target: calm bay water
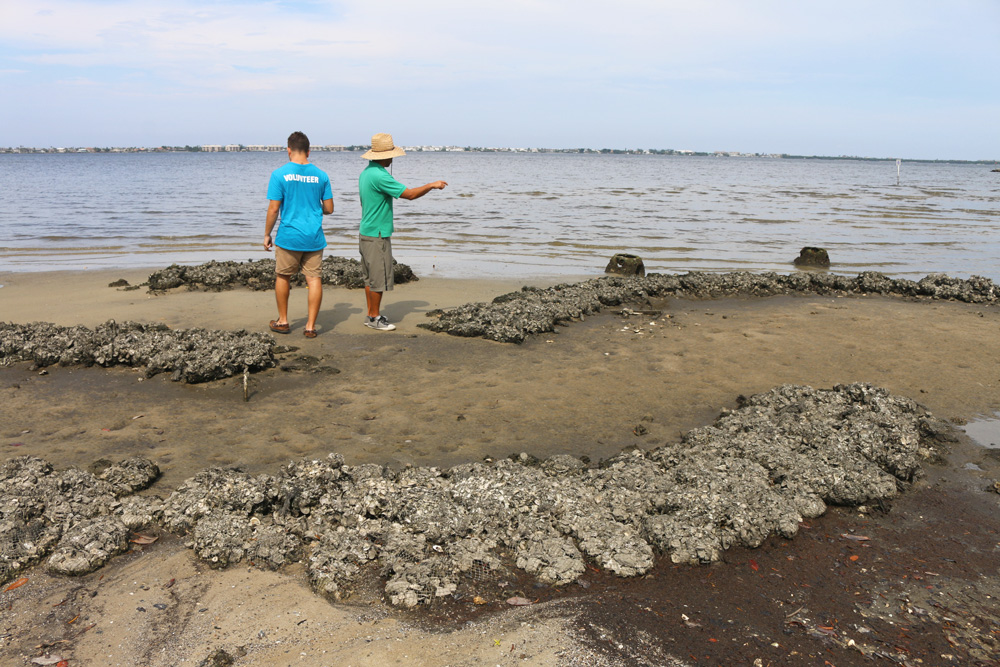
x=513, y=214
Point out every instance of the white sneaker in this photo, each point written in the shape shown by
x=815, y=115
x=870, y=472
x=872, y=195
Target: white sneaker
x=379, y=323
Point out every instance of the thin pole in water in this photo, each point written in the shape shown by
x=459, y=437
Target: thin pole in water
x=898, y=162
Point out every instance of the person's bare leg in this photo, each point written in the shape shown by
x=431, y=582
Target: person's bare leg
x=314, y=301
x=282, y=287
x=374, y=301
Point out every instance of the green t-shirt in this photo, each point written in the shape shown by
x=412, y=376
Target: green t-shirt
x=377, y=188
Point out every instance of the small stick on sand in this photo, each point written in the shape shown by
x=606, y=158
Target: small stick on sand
x=246, y=384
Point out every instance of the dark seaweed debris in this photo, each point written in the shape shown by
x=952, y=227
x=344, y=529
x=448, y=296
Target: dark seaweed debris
x=259, y=275
x=189, y=355
x=510, y=318
x=780, y=457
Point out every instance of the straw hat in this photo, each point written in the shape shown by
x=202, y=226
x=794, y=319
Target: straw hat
x=383, y=148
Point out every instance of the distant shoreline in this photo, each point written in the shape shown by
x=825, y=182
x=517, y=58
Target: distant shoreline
x=240, y=148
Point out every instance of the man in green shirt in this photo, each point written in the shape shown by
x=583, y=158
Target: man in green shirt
x=377, y=188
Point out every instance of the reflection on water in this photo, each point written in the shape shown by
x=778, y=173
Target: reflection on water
x=985, y=432
x=516, y=214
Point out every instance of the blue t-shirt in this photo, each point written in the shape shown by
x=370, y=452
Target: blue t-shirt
x=301, y=189
x=377, y=188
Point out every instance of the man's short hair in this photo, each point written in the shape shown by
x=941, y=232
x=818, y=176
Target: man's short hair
x=298, y=142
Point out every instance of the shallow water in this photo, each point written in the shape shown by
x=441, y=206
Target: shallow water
x=984, y=432
x=513, y=215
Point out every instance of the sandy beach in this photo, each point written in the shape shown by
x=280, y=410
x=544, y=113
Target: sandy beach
x=420, y=398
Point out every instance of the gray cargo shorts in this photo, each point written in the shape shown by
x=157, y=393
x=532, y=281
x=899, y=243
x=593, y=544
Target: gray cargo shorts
x=376, y=262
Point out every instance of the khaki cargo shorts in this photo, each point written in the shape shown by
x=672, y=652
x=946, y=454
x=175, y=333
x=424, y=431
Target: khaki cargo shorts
x=290, y=262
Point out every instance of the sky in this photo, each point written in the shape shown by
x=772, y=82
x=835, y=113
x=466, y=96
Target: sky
x=913, y=79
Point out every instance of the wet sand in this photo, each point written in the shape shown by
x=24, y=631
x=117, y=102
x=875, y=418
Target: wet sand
x=411, y=396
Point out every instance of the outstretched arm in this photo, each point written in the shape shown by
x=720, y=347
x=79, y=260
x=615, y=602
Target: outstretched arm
x=416, y=193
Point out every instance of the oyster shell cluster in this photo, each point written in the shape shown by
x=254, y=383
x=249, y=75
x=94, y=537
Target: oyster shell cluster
x=512, y=317
x=76, y=519
x=189, y=355
x=780, y=457
x=259, y=275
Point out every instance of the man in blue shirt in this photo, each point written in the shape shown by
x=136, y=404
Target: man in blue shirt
x=377, y=188
x=300, y=195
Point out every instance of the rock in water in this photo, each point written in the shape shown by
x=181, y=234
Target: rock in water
x=626, y=265
x=812, y=256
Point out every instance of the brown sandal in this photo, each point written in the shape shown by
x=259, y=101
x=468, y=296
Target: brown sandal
x=280, y=328
x=310, y=333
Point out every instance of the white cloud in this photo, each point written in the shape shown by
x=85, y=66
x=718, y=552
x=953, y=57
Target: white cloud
x=715, y=40
x=481, y=38
x=518, y=61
